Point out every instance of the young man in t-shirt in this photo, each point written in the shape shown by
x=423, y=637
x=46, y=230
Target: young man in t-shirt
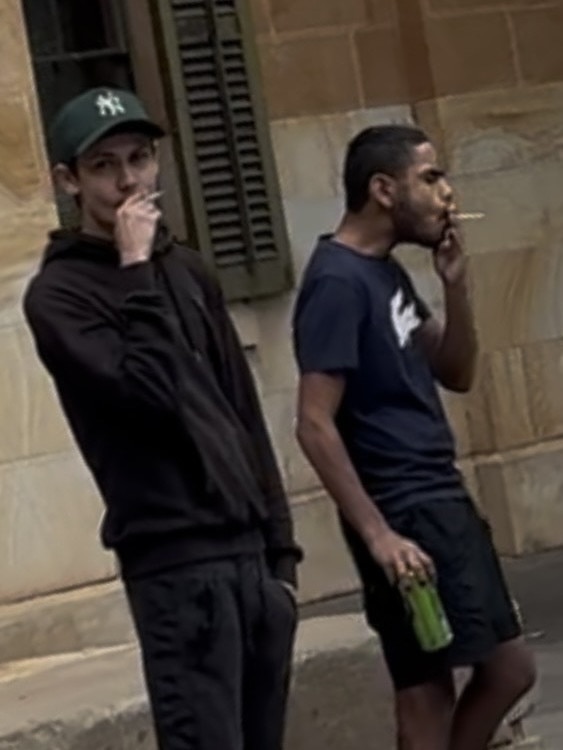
x=371, y=423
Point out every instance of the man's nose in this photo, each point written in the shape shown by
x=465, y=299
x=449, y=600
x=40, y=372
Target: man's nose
x=127, y=179
x=447, y=193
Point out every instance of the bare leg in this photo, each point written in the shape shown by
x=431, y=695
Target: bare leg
x=495, y=687
x=424, y=715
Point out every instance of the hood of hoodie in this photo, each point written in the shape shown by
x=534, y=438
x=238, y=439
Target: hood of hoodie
x=65, y=243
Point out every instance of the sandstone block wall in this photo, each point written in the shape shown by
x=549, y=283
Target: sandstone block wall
x=485, y=78
x=49, y=510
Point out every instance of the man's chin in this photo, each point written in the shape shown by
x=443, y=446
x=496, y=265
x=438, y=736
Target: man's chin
x=429, y=243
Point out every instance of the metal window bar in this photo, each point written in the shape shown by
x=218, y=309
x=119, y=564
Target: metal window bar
x=58, y=29
x=63, y=57
x=60, y=72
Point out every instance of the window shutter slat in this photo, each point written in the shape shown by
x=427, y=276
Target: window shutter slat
x=224, y=145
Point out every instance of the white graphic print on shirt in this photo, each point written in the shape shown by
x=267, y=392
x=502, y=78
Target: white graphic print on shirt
x=404, y=318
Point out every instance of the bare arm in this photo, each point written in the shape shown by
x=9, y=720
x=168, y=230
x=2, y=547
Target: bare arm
x=452, y=348
x=319, y=399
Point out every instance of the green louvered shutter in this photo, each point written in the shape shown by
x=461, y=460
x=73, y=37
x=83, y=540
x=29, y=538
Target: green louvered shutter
x=223, y=143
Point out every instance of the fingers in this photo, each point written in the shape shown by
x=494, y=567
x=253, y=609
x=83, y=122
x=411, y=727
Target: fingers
x=411, y=562
x=414, y=563
x=450, y=235
x=139, y=211
x=150, y=209
x=402, y=559
x=427, y=564
x=132, y=200
x=454, y=221
x=443, y=246
x=399, y=568
x=450, y=244
x=418, y=564
x=141, y=198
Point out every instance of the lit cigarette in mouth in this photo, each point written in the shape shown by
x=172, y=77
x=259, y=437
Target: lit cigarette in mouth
x=470, y=217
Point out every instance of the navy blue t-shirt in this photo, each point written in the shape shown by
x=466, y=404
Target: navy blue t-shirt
x=356, y=316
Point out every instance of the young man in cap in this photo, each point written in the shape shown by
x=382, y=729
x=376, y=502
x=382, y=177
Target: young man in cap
x=156, y=388
x=371, y=422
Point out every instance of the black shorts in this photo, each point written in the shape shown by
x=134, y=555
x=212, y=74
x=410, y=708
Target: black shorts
x=470, y=583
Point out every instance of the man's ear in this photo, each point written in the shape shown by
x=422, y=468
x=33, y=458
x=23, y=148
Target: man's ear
x=383, y=189
x=65, y=180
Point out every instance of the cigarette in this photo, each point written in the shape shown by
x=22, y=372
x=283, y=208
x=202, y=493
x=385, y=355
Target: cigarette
x=470, y=217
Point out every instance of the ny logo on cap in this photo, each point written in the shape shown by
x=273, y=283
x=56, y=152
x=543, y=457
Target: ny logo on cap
x=109, y=104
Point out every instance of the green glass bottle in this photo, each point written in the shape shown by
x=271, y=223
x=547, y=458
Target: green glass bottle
x=429, y=620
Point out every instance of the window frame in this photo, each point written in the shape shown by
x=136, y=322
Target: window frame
x=147, y=37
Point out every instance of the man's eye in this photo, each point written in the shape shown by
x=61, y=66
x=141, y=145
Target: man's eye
x=101, y=165
x=141, y=156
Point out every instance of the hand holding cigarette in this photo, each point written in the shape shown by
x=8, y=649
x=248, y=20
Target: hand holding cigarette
x=135, y=227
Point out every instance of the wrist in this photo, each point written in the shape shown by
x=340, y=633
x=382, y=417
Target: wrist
x=457, y=285
x=283, y=567
x=137, y=277
x=374, y=535
x=133, y=259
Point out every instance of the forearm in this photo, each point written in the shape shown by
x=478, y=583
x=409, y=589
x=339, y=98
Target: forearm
x=324, y=448
x=457, y=352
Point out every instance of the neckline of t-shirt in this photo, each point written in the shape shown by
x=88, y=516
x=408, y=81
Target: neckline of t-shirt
x=329, y=238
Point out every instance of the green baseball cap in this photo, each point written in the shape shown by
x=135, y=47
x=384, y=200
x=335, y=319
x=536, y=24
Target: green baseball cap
x=93, y=115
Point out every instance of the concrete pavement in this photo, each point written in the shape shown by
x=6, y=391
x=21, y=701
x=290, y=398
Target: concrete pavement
x=536, y=583
x=94, y=698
